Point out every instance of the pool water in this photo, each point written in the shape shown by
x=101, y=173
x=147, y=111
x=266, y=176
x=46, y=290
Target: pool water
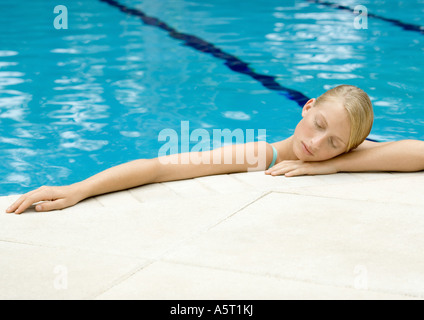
x=79, y=100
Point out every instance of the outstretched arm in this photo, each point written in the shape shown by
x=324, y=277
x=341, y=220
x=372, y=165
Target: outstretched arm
x=229, y=159
x=403, y=156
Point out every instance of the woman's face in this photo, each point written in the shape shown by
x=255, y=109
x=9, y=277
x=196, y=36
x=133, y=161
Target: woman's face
x=324, y=131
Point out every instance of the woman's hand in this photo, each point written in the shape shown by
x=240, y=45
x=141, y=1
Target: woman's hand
x=291, y=168
x=53, y=198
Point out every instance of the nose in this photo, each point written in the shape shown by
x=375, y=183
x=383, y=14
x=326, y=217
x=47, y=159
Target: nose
x=317, y=142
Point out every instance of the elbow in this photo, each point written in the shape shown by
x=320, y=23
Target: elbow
x=413, y=153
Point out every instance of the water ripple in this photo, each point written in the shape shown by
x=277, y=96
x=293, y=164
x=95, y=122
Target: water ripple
x=8, y=53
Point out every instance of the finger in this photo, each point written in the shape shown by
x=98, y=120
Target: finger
x=21, y=199
x=51, y=205
x=279, y=172
x=17, y=203
x=283, y=169
x=295, y=172
x=275, y=168
x=282, y=164
x=24, y=205
x=29, y=200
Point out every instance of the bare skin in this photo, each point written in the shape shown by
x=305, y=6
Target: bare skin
x=317, y=146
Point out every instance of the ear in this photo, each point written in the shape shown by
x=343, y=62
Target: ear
x=308, y=105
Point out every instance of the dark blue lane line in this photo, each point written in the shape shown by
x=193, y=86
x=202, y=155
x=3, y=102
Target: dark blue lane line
x=403, y=25
x=201, y=45
x=231, y=61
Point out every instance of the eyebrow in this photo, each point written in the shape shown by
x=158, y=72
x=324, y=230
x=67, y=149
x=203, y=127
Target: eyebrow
x=326, y=124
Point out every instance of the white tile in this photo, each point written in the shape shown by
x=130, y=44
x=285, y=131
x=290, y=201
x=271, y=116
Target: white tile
x=188, y=188
x=400, y=189
x=153, y=192
x=84, y=205
x=33, y=272
x=7, y=201
x=338, y=178
x=322, y=240
x=224, y=184
x=143, y=230
x=407, y=174
x=306, y=237
x=171, y=281
x=125, y=198
x=265, y=182
x=366, y=176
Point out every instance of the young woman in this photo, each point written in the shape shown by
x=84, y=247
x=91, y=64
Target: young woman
x=330, y=138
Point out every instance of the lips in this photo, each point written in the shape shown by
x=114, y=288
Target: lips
x=306, y=149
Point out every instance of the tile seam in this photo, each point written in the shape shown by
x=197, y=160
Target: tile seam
x=276, y=276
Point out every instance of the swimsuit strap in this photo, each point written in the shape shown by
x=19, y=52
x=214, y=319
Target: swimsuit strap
x=274, y=157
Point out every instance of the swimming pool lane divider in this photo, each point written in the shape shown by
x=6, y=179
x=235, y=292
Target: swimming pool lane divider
x=231, y=61
x=201, y=45
x=404, y=25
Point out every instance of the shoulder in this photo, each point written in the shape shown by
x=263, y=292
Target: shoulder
x=284, y=150
x=368, y=144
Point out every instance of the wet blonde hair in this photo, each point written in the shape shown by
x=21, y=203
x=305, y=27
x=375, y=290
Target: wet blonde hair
x=359, y=108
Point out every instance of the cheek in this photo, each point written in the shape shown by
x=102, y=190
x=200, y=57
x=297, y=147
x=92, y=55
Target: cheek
x=328, y=153
x=302, y=130
x=298, y=149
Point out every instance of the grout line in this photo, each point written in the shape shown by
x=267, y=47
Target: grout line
x=121, y=279
x=206, y=229
x=147, y=262
x=288, y=278
x=243, y=181
x=98, y=201
x=169, y=188
x=196, y=184
x=160, y=256
x=264, y=194
x=134, y=196
x=384, y=201
x=205, y=185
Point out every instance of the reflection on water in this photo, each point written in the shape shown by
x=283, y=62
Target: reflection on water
x=319, y=45
x=71, y=139
x=13, y=104
x=77, y=101
x=7, y=53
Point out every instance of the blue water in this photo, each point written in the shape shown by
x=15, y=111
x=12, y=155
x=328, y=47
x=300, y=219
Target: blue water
x=76, y=101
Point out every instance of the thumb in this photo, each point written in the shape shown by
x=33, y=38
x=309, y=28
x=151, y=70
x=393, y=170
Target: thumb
x=50, y=205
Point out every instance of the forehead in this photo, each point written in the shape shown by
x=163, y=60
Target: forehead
x=336, y=116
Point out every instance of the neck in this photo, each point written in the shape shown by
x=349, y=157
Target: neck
x=285, y=149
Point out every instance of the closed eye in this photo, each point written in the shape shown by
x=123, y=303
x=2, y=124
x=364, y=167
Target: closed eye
x=331, y=139
x=318, y=125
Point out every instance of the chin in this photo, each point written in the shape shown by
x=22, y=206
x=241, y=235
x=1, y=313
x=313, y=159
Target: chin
x=301, y=155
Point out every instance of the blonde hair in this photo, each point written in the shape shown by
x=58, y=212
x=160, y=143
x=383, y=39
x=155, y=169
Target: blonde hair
x=359, y=108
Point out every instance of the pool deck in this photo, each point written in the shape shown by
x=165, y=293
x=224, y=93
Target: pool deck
x=237, y=236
